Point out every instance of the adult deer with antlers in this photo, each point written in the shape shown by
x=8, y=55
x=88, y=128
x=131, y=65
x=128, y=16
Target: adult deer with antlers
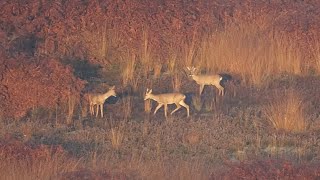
x=209, y=79
x=98, y=99
x=165, y=99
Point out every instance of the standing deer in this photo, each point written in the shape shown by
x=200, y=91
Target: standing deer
x=165, y=99
x=214, y=79
x=98, y=99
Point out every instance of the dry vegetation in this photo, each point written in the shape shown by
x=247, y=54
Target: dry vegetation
x=265, y=127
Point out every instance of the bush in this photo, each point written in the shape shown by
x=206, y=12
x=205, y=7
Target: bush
x=32, y=83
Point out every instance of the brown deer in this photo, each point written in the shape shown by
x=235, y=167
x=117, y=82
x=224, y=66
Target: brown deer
x=208, y=79
x=98, y=99
x=168, y=98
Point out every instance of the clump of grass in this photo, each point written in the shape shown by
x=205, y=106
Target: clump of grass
x=172, y=61
x=287, y=112
x=116, y=137
x=71, y=109
x=129, y=68
x=157, y=69
x=145, y=53
x=117, y=134
x=176, y=82
x=189, y=51
x=147, y=106
x=315, y=52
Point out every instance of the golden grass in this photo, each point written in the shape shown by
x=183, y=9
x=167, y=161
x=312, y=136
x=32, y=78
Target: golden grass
x=176, y=82
x=117, y=136
x=172, y=61
x=315, y=50
x=157, y=67
x=189, y=51
x=128, y=71
x=287, y=112
x=145, y=53
x=71, y=109
x=49, y=167
x=249, y=49
x=255, y=55
x=147, y=106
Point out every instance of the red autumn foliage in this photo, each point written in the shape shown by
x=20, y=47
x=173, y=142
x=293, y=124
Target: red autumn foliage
x=36, y=83
x=168, y=23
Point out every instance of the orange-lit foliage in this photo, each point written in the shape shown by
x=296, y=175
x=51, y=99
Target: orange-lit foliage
x=31, y=83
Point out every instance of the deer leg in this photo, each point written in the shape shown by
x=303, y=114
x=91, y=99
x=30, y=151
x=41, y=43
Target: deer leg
x=182, y=103
x=93, y=110
x=97, y=110
x=178, y=107
x=165, y=110
x=201, y=88
x=221, y=90
x=157, y=108
x=101, y=110
x=90, y=109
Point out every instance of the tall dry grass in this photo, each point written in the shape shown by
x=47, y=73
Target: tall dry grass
x=128, y=68
x=189, y=50
x=117, y=133
x=176, y=82
x=145, y=53
x=243, y=49
x=71, y=108
x=315, y=50
x=43, y=166
x=287, y=112
x=147, y=106
x=253, y=50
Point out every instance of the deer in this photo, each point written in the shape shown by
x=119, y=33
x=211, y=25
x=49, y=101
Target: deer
x=98, y=99
x=213, y=79
x=165, y=99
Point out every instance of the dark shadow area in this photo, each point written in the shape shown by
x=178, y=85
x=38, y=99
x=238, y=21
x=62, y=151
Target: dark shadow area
x=112, y=99
x=26, y=45
x=83, y=68
x=189, y=96
x=225, y=79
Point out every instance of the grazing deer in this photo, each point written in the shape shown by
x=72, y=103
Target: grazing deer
x=99, y=99
x=214, y=79
x=165, y=99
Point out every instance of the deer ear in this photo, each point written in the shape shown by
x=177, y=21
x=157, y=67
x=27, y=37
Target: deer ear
x=147, y=90
x=188, y=68
x=113, y=87
x=150, y=91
